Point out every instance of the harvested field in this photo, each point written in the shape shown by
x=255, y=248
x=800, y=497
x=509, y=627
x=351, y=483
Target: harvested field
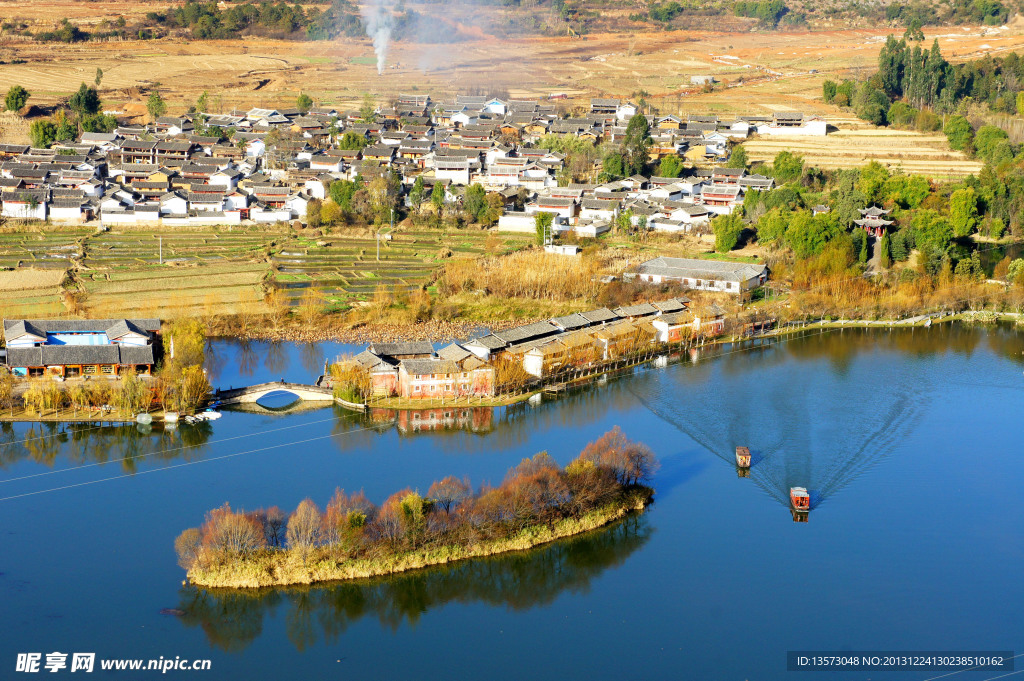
x=763, y=71
x=856, y=144
x=28, y=279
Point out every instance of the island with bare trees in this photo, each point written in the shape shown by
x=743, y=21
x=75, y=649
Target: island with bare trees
x=536, y=503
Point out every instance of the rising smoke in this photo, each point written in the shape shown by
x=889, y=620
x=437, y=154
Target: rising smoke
x=379, y=20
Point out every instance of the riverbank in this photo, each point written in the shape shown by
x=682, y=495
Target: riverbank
x=282, y=568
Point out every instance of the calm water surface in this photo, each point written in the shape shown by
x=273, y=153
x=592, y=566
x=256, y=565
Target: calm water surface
x=909, y=441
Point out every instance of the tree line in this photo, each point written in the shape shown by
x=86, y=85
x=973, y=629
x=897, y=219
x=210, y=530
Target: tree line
x=536, y=492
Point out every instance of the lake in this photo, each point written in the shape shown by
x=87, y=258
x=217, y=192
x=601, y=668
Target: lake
x=908, y=440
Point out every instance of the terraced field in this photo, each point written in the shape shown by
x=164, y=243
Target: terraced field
x=214, y=271
x=347, y=270
x=857, y=143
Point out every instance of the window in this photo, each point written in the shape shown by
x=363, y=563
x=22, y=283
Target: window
x=416, y=389
x=89, y=370
x=107, y=369
x=433, y=388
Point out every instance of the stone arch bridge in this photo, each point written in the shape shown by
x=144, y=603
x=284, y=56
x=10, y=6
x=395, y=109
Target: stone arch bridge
x=253, y=393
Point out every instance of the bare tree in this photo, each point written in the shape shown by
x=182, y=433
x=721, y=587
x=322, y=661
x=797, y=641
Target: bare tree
x=449, y=491
x=305, y=527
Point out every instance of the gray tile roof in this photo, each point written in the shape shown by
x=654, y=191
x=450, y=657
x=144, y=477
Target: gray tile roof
x=599, y=315
x=521, y=334
x=421, y=367
x=686, y=268
x=571, y=321
x=401, y=349
x=48, y=355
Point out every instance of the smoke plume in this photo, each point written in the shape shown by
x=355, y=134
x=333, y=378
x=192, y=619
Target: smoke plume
x=379, y=22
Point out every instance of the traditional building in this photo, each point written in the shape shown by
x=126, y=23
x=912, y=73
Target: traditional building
x=73, y=348
x=708, y=275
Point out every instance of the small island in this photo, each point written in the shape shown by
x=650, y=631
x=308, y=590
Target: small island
x=537, y=502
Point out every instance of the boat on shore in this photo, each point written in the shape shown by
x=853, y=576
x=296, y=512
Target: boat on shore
x=208, y=415
x=743, y=457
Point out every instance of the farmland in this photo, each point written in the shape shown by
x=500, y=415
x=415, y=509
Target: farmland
x=216, y=271
x=761, y=72
x=856, y=143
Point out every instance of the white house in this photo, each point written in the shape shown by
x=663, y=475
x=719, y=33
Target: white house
x=517, y=222
x=173, y=203
x=707, y=275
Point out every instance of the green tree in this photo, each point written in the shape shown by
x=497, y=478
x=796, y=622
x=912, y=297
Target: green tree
x=636, y=145
x=963, y=212
x=771, y=228
x=872, y=181
x=958, y=132
x=474, y=201
x=437, y=197
x=42, y=133
x=16, y=99
x=738, y=157
x=914, y=31
x=342, y=192
x=203, y=103
x=613, y=166
x=885, y=257
x=932, y=229
x=99, y=76
x=808, y=235
x=542, y=224
x=987, y=139
x=417, y=193
x=85, y=101
x=352, y=141
x=727, y=229
x=787, y=167
x=1015, y=272
x=368, y=110
x=670, y=166
x=828, y=91
x=156, y=106
x=304, y=102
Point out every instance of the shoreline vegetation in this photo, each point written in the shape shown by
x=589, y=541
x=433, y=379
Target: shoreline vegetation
x=538, y=502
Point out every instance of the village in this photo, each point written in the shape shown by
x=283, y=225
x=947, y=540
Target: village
x=267, y=165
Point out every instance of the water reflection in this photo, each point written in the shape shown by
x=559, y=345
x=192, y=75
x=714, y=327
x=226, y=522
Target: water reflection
x=232, y=619
x=87, y=443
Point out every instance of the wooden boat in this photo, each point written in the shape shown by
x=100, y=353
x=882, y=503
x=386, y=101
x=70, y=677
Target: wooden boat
x=799, y=499
x=743, y=457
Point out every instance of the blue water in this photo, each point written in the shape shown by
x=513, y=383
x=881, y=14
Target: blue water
x=910, y=443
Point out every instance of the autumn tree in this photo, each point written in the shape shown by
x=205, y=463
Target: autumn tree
x=630, y=462
x=233, y=532
x=187, y=546
x=305, y=527
x=449, y=491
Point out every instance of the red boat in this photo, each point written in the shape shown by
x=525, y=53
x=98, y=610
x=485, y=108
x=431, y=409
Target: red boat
x=799, y=499
x=743, y=457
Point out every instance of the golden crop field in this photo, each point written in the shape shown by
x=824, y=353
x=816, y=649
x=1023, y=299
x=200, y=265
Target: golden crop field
x=856, y=143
